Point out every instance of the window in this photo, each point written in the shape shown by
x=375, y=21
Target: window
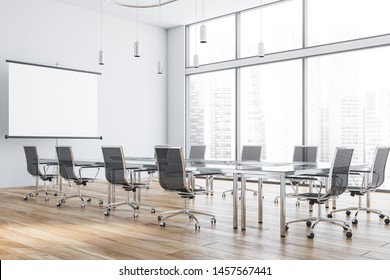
x=212, y=113
x=349, y=102
x=271, y=110
x=332, y=21
x=221, y=41
x=282, y=28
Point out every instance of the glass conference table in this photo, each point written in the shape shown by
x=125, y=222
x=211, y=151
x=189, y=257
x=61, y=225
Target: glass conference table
x=261, y=170
x=265, y=170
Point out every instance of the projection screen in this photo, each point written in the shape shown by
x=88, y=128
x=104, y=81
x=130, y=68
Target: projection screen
x=52, y=102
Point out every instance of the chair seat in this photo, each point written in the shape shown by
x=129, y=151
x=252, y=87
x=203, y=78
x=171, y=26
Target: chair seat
x=208, y=171
x=304, y=177
x=133, y=186
x=310, y=195
x=47, y=177
x=356, y=191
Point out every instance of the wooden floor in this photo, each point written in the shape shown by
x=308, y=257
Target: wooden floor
x=36, y=229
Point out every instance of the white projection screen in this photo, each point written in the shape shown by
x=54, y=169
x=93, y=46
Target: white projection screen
x=52, y=102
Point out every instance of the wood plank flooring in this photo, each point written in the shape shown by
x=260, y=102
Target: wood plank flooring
x=38, y=229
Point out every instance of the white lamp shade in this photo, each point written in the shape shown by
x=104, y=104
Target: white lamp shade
x=136, y=49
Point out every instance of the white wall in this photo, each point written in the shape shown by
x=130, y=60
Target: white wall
x=132, y=102
x=176, y=86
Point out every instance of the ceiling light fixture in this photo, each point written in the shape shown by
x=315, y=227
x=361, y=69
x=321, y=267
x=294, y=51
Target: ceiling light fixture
x=203, y=31
x=261, y=44
x=101, y=53
x=160, y=67
x=196, y=57
x=119, y=3
x=136, y=44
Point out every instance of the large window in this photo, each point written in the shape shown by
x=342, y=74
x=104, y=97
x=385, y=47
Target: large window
x=301, y=92
x=332, y=21
x=221, y=41
x=280, y=25
x=349, y=102
x=212, y=113
x=271, y=111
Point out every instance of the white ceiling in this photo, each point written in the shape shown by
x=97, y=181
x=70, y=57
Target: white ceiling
x=177, y=13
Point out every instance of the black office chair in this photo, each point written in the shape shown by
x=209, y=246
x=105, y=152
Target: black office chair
x=336, y=184
x=249, y=153
x=197, y=156
x=67, y=170
x=33, y=167
x=173, y=177
x=376, y=178
x=197, y=152
x=118, y=175
x=305, y=154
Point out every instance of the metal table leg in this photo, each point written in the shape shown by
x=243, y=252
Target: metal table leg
x=235, y=201
x=282, y=206
x=243, y=202
x=260, y=200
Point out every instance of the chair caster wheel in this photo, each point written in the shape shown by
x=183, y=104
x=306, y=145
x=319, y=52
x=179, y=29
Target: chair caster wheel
x=58, y=204
x=62, y=200
x=100, y=202
x=213, y=221
x=354, y=221
x=330, y=216
x=349, y=234
x=153, y=210
x=231, y=193
x=89, y=199
x=310, y=235
x=387, y=221
x=276, y=201
x=25, y=197
x=308, y=223
x=55, y=194
x=297, y=204
x=348, y=213
x=162, y=224
x=135, y=215
x=46, y=199
x=191, y=217
x=159, y=218
x=223, y=195
x=106, y=213
x=381, y=216
x=254, y=193
x=82, y=205
x=287, y=228
x=197, y=226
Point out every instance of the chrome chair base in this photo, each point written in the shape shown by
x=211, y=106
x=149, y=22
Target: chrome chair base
x=358, y=209
x=134, y=205
x=82, y=197
x=191, y=214
x=44, y=190
x=319, y=219
x=239, y=189
x=361, y=208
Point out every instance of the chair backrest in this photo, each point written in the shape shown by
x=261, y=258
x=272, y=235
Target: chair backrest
x=171, y=169
x=32, y=160
x=115, y=166
x=379, y=167
x=305, y=154
x=251, y=153
x=66, y=162
x=339, y=171
x=197, y=151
